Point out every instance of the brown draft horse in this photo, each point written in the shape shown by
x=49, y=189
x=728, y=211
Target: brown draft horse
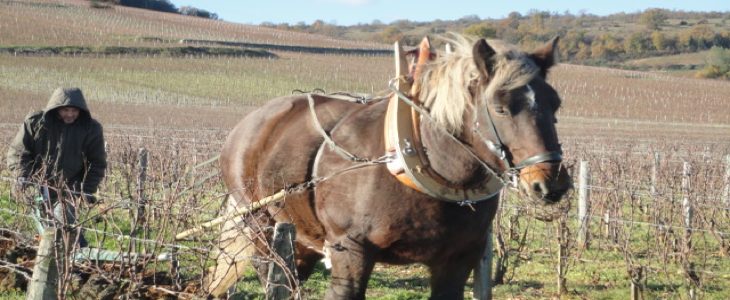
x=490, y=113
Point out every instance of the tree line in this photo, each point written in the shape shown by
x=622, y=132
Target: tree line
x=157, y=5
x=584, y=38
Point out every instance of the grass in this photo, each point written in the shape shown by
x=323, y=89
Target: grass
x=599, y=272
x=12, y=295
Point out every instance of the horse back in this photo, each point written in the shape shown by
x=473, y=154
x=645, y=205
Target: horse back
x=274, y=147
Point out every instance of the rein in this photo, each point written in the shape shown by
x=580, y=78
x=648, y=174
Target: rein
x=405, y=156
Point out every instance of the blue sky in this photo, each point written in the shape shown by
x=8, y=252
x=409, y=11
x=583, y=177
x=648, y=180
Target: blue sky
x=348, y=12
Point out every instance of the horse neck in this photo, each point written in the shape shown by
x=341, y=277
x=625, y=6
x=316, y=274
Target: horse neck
x=449, y=158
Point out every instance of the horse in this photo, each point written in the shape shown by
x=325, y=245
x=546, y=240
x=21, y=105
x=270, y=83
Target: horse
x=414, y=178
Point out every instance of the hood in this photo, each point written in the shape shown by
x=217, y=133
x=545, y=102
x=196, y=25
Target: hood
x=67, y=97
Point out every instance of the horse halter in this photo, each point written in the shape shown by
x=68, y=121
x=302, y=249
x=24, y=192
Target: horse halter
x=498, y=148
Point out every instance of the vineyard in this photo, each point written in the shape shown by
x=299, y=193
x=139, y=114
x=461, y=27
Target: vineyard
x=653, y=148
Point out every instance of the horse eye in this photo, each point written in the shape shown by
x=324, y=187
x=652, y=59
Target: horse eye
x=500, y=110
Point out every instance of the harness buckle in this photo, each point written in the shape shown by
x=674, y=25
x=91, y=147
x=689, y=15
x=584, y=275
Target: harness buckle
x=408, y=150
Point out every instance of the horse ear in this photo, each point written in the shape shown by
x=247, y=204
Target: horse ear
x=424, y=55
x=483, y=54
x=546, y=56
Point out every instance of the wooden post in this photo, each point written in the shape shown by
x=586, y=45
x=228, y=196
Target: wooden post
x=562, y=255
x=635, y=293
x=141, y=178
x=584, y=195
x=687, y=211
x=647, y=204
x=637, y=277
x=654, y=174
x=44, y=283
x=726, y=193
x=686, y=204
x=280, y=281
x=483, y=272
x=138, y=219
x=174, y=268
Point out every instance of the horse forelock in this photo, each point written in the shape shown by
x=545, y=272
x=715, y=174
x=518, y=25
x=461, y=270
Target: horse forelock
x=445, y=82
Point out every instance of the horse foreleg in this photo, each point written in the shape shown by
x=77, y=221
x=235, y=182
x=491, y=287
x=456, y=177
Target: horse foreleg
x=352, y=264
x=448, y=280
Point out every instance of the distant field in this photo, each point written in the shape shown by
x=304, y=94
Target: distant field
x=688, y=60
x=588, y=92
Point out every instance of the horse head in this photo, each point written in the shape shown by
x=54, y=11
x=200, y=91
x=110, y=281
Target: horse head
x=500, y=105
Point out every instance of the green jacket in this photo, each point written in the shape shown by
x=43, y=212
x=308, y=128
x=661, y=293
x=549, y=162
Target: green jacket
x=45, y=147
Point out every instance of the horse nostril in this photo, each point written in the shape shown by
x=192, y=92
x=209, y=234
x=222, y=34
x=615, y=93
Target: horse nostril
x=539, y=188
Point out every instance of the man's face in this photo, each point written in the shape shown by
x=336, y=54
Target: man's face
x=68, y=114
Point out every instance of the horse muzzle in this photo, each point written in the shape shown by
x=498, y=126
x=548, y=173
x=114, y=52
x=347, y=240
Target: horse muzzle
x=547, y=182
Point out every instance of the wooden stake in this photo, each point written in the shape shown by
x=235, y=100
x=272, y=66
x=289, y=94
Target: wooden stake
x=280, y=281
x=584, y=195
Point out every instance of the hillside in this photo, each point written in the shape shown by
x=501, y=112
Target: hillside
x=75, y=23
x=225, y=81
x=585, y=38
x=624, y=40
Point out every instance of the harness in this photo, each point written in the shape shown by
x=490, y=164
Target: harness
x=409, y=163
x=405, y=156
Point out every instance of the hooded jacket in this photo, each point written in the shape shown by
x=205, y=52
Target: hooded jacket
x=71, y=154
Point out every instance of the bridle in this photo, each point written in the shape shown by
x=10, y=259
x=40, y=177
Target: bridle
x=498, y=148
x=408, y=161
x=499, y=179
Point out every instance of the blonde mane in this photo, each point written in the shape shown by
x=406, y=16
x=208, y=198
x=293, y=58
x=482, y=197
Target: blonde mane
x=445, y=81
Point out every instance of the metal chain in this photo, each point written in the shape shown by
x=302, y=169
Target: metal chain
x=328, y=139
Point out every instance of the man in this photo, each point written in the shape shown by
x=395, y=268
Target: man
x=63, y=147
